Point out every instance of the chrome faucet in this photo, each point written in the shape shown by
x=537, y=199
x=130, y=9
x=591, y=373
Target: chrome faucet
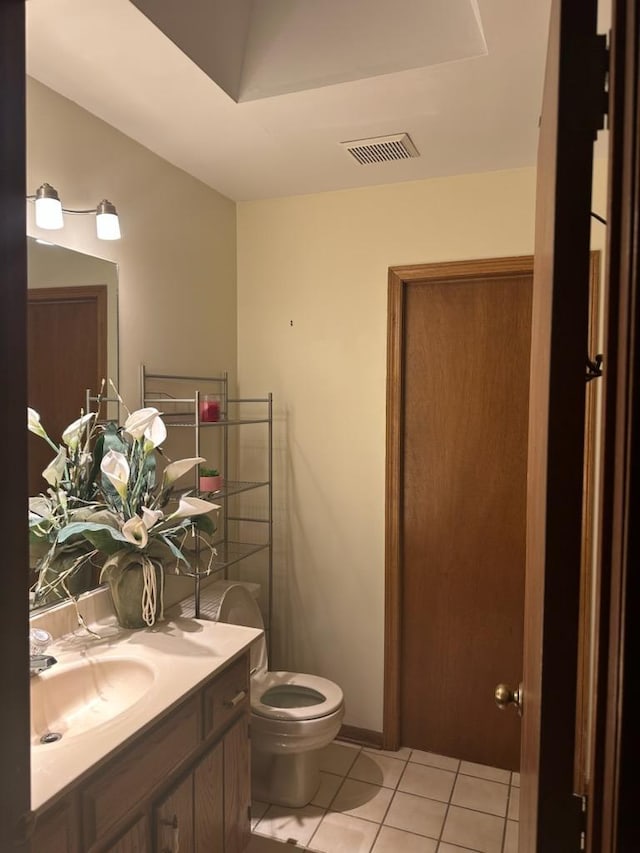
x=38, y=663
x=38, y=642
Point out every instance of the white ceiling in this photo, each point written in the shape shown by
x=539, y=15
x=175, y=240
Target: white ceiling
x=467, y=90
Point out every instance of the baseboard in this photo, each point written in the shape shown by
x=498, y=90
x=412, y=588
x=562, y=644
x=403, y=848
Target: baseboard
x=363, y=737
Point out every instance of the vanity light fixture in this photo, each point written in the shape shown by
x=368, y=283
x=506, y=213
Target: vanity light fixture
x=107, y=223
x=49, y=212
x=48, y=208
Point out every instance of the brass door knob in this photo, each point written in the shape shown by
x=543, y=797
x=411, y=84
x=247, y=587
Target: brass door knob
x=505, y=696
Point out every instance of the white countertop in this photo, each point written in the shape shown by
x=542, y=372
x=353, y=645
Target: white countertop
x=181, y=652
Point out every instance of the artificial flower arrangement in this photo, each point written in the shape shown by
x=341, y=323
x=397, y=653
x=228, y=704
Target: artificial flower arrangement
x=71, y=497
x=106, y=503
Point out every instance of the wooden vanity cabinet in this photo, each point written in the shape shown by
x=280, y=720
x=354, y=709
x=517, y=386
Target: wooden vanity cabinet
x=58, y=831
x=135, y=840
x=183, y=785
x=207, y=811
x=237, y=787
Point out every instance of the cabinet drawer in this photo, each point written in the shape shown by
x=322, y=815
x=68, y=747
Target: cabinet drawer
x=130, y=778
x=228, y=695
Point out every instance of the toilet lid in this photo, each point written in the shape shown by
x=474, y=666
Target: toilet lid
x=294, y=696
x=238, y=607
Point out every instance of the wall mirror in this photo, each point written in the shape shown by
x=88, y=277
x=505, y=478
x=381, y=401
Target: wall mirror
x=72, y=343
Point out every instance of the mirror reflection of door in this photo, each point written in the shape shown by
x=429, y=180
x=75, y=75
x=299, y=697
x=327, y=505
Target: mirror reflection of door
x=67, y=353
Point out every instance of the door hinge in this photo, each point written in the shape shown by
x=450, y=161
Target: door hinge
x=594, y=367
x=584, y=805
x=599, y=79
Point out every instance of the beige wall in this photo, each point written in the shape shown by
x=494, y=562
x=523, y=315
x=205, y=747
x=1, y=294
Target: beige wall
x=311, y=319
x=312, y=314
x=177, y=257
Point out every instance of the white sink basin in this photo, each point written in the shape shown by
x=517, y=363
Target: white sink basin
x=75, y=699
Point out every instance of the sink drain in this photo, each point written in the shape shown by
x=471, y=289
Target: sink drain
x=51, y=737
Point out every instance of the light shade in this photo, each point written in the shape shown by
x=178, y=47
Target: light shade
x=107, y=223
x=48, y=208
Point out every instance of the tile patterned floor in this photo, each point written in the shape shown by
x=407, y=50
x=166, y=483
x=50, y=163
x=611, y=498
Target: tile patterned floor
x=408, y=801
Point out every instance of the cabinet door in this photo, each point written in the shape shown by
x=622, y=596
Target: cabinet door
x=173, y=818
x=135, y=840
x=131, y=777
x=58, y=830
x=209, y=802
x=237, y=787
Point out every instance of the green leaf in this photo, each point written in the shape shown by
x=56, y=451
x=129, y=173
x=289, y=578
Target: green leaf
x=204, y=523
x=104, y=537
x=177, y=553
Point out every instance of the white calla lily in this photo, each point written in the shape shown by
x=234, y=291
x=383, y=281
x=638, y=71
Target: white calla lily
x=151, y=516
x=54, y=472
x=155, y=434
x=72, y=434
x=33, y=423
x=134, y=530
x=139, y=421
x=177, y=469
x=39, y=505
x=116, y=469
x=193, y=506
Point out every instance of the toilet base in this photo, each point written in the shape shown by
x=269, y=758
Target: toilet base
x=290, y=779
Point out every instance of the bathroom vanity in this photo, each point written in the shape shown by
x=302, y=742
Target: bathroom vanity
x=170, y=771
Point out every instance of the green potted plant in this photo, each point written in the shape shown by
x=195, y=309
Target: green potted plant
x=209, y=480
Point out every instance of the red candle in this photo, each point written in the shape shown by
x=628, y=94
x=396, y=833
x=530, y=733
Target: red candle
x=209, y=409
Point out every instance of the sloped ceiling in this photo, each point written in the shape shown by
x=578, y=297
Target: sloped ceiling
x=253, y=98
x=259, y=49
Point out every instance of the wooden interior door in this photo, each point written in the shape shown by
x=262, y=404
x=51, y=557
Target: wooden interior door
x=15, y=781
x=550, y=814
x=465, y=383
x=67, y=353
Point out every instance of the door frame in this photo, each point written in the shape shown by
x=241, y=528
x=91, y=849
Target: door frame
x=401, y=278
x=614, y=821
x=15, y=780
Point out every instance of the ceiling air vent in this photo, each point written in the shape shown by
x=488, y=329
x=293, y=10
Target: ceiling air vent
x=381, y=149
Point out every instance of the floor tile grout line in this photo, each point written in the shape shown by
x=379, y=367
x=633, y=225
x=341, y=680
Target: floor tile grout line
x=338, y=789
x=446, y=814
x=386, y=812
x=504, y=829
x=344, y=776
x=328, y=809
x=484, y=779
x=379, y=824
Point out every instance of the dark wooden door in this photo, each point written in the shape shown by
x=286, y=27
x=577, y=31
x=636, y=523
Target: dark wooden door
x=464, y=437
x=550, y=813
x=14, y=711
x=67, y=343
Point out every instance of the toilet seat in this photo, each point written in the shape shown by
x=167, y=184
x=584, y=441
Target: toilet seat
x=314, y=696
x=277, y=696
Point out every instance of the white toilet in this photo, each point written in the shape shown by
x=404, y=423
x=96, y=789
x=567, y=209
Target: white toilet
x=293, y=716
